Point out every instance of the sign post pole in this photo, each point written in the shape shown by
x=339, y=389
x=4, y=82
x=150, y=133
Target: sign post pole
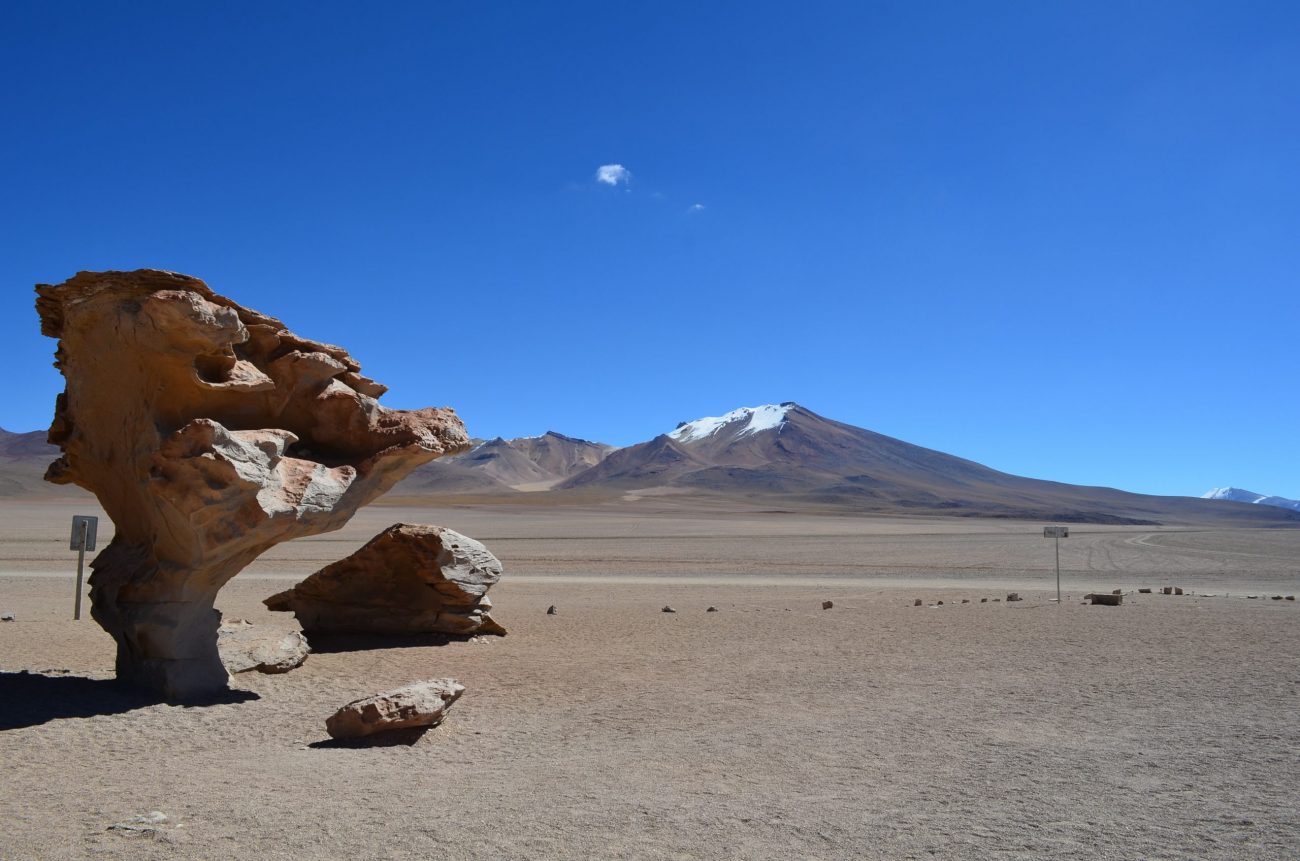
x=81, y=562
x=84, y=528
x=1057, y=532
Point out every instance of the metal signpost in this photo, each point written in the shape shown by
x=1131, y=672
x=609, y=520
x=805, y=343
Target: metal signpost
x=83, y=539
x=1057, y=532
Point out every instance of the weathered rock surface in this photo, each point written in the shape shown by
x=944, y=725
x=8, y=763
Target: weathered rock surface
x=416, y=705
x=209, y=433
x=244, y=647
x=408, y=579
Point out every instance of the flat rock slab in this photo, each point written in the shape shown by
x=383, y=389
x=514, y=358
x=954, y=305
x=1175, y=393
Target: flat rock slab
x=422, y=704
x=246, y=647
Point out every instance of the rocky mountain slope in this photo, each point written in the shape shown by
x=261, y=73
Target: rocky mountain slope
x=507, y=465
x=787, y=452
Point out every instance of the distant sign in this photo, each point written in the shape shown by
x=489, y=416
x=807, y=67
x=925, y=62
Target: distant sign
x=1056, y=532
x=83, y=532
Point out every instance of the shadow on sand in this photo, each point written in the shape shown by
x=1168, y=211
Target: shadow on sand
x=392, y=738
x=328, y=643
x=30, y=699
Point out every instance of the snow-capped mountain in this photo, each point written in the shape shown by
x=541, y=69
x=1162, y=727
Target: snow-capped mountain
x=788, y=455
x=1236, y=494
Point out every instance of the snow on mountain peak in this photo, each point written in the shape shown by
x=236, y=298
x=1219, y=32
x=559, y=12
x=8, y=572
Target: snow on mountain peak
x=1236, y=494
x=756, y=419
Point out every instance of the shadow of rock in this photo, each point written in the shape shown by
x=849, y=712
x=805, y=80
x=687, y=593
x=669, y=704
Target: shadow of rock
x=392, y=738
x=328, y=643
x=30, y=699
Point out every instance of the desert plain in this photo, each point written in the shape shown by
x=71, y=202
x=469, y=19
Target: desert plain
x=1165, y=728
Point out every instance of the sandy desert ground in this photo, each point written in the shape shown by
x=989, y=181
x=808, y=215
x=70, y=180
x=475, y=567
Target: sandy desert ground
x=1167, y=728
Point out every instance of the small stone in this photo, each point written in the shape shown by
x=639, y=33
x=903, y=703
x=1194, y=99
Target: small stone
x=1277, y=597
x=1112, y=600
x=145, y=825
x=1178, y=590
x=939, y=604
x=667, y=609
x=417, y=705
x=997, y=600
x=965, y=600
x=8, y=617
x=826, y=605
x=711, y=610
x=1014, y=596
x=917, y=603
x=984, y=600
x=551, y=611
x=1290, y=597
x=1145, y=591
x=244, y=647
x=1167, y=590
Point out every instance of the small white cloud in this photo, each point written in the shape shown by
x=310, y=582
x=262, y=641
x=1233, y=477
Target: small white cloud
x=613, y=174
x=695, y=207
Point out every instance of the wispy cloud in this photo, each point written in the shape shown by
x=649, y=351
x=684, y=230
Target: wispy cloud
x=613, y=174
x=695, y=207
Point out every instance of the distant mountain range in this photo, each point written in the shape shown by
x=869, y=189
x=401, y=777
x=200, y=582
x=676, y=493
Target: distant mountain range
x=776, y=456
x=1236, y=494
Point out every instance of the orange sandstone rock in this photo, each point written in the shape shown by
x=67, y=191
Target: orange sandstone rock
x=209, y=433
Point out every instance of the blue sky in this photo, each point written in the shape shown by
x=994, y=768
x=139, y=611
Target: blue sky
x=1058, y=238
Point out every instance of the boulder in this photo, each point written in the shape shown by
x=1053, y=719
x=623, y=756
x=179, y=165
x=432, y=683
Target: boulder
x=551, y=611
x=1014, y=596
x=667, y=609
x=1144, y=591
x=245, y=647
x=917, y=603
x=408, y=579
x=826, y=605
x=209, y=433
x=1178, y=590
x=711, y=610
x=420, y=704
x=1111, y=600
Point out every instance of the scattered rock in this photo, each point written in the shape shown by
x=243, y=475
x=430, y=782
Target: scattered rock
x=711, y=610
x=1277, y=597
x=151, y=824
x=667, y=609
x=1178, y=590
x=246, y=647
x=8, y=617
x=917, y=603
x=1112, y=600
x=965, y=600
x=826, y=605
x=1290, y=597
x=551, y=611
x=1145, y=591
x=997, y=600
x=1252, y=597
x=420, y=704
x=938, y=603
x=409, y=579
x=1014, y=596
x=1167, y=590
x=195, y=421
x=984, y=600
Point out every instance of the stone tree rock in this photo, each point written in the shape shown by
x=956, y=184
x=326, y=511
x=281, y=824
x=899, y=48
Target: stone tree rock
x=209, y=433
x=408, y=579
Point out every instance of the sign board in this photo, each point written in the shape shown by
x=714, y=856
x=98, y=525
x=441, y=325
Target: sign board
x=1056, y=532
x=90, y=525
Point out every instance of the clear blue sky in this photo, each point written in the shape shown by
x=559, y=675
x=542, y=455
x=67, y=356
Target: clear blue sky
x=1058, y=238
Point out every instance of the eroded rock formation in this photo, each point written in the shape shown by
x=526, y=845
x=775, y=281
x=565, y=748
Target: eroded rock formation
x=408, y=579
x=209, y=433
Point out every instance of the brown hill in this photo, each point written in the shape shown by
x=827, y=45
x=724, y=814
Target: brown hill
x=788, y=452
x=507, y=465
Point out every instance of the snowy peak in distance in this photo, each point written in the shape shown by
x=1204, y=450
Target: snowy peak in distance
x=1236, y=494
x=743, y=422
